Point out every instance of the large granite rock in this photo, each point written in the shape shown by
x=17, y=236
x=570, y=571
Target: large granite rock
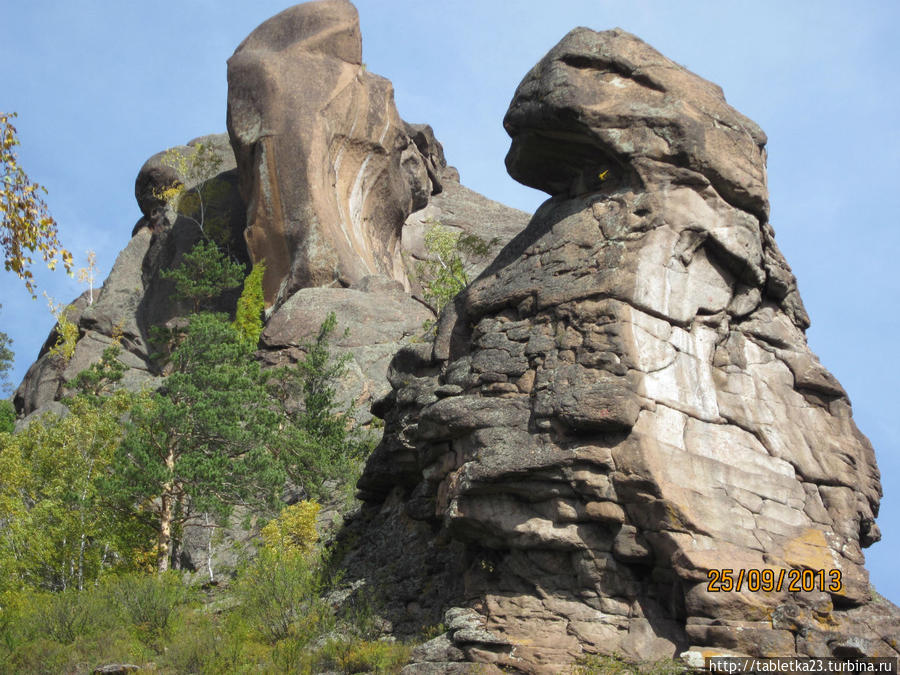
x=328, y=169
x=134, y=297
x=374, y=319
x=624, y=401
x=459, y=209
x=114, y=312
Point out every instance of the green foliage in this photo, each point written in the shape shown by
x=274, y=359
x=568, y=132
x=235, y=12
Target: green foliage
x=26, y=226
x=7, y=417
x=272, y=618
x=201, y=445
x=319, y=439
x=66, y=331
x=443, y=274
x=363, y=656
x=100, y=378
x=294, y=530
x=64, y=616
x=124, y=619
x=147, y=602
x=592, y=664
x=207, y=645
x=56, y=530
x=248, y=316
x=279, y=594
x=204, y=274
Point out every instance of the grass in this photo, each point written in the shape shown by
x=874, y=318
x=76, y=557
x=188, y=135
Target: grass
x=595, y=664
x=272, y=619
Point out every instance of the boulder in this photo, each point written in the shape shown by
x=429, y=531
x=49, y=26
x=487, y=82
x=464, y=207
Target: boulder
x=375, y=318
x=207, y=165
x=624, y=404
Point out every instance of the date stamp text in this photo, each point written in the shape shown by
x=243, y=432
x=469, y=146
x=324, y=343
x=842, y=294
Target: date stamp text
x=772, y=580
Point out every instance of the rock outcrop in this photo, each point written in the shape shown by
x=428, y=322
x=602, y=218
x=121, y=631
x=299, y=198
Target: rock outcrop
x=330, y=174
x=134, y=297
x=328, y=169
x=623, y=404
x=621, y=409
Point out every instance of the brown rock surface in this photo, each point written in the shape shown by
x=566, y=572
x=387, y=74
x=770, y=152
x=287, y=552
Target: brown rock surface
x=624, y=400
x=327, y=167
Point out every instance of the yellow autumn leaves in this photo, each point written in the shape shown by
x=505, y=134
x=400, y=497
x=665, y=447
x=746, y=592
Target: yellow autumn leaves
x=26, y=227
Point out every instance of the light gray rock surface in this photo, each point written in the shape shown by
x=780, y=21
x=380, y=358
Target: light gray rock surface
x=624, y=401
x=374, y=319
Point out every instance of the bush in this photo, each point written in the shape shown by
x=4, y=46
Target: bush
x=592, y=664
x=40, y=657
x=7, y=416
x=248, y=315
x=443, y=274
x=147, y=602
x=294, y=530
x=279, y=595
x=363, y=656
x=64, y=616
x=204, y=646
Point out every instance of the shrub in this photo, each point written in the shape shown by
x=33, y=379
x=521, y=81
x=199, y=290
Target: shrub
x=64, y=616
x=147, y=602
x=66, y=332
x=592, y=664
x=7, y=416
x=443, y=274
x=248, y=316
x=294, y=530
x=363, y=656
x=279, y=595
x=40, y=657
x=204, y=646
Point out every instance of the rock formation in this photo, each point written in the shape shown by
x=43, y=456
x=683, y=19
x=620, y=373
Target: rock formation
x=134, y=297
x=624, y=403
x=621, y=406
x=338, y=191
x=328, y=169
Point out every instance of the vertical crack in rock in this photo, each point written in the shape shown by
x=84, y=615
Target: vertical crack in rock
x=624, y=401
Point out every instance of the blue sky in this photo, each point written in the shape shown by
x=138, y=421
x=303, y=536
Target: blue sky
x=101, y=85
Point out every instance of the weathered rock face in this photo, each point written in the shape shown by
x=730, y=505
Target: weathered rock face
x=134, y=297
x=328, y=169
x=375, y=318
x=624, y=402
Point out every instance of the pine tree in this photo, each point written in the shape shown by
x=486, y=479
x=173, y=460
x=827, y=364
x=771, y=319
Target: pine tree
x=204, y=274
x=202, y=444
x=320, y=440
